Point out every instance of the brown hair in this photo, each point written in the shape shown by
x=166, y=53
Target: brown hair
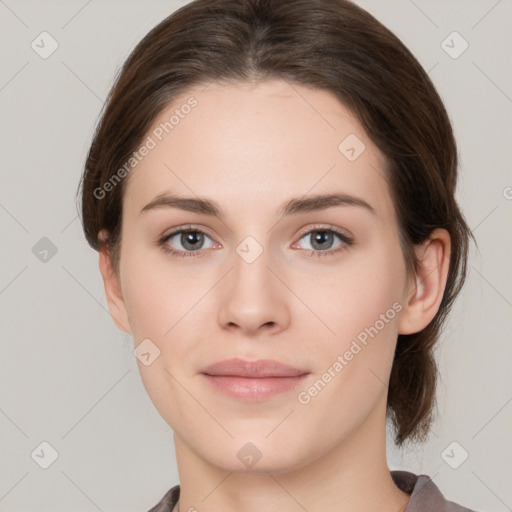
x=332, y=45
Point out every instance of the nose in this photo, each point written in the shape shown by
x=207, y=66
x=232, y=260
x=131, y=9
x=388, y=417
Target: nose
x=253, y=299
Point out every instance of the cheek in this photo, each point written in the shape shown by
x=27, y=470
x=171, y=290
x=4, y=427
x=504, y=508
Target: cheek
x=159, y=304
x=361, y=304
x=157, y=295
x=353, y=366
x=354, y=295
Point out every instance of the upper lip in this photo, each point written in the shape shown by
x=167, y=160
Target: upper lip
x=256, y=369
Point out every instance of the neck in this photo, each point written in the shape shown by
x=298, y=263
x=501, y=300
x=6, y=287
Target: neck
x=351, y=476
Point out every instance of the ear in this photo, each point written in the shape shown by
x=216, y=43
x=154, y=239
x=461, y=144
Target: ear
x=113, y=290
x=426, y=290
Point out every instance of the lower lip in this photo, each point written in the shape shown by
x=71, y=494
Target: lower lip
x=253, y=389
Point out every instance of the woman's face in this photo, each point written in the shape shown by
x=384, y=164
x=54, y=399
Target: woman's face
x=319, y=288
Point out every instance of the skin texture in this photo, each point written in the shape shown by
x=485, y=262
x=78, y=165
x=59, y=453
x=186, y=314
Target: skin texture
x=251, y=148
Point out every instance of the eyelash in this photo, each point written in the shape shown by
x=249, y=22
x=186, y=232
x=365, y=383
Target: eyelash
x=347, y=242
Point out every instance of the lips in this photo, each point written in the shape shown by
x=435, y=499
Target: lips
x=253, y=381
x=252, y=369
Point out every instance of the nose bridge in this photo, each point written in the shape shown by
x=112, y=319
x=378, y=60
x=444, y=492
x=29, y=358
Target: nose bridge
x=250, y=273
x=252, y=298
x=250, y=250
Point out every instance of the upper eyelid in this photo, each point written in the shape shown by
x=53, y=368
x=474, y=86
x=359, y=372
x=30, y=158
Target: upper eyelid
x=327, y=227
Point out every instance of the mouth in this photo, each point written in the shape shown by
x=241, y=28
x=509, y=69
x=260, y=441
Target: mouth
x=253, y=380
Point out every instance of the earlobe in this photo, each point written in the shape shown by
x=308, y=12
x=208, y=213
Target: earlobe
x=113, y=292
x=426, y=291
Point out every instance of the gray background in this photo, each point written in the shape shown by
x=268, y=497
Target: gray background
x=69, y=377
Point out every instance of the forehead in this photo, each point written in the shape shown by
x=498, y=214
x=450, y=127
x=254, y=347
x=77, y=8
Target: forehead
x=253, y=146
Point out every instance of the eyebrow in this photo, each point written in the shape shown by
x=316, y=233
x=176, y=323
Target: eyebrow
x=290, y=207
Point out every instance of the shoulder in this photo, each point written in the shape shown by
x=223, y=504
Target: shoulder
x=425, y=495
x=167, y=503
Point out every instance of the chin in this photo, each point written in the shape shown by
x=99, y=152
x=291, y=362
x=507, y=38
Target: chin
x=257, y=456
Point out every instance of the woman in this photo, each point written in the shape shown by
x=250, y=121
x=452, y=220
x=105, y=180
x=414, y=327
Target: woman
x=271, y=189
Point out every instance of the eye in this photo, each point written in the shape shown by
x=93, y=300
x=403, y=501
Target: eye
x=189, y=238
x=322, y=239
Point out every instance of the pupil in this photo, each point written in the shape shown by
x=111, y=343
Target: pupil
x=190, y=240
x=321, y=237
